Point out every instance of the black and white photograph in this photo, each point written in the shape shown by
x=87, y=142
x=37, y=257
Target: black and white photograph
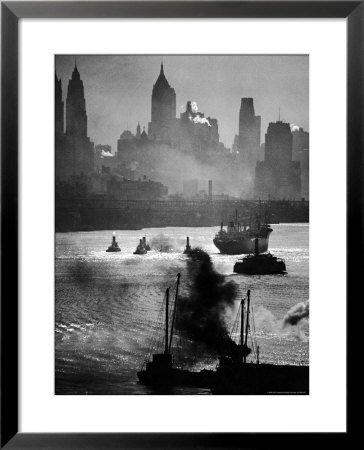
x=181, y=224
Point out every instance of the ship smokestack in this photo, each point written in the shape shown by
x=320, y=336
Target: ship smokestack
x=144, y=241
x=188, y=247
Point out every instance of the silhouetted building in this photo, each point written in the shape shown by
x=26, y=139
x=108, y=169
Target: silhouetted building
x=301, y=150
x=249, y=132
x=163, y=109
x=300, y=142
x=59, y=108
x=76, y=117
x=124, y=189
x=278, y=177
x=196, y=134
x=74, y=150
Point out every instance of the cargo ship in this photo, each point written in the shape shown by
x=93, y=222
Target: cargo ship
x=239, y=239
x=235, y=375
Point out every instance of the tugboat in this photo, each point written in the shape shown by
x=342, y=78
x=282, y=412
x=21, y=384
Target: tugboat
x=235, y=375
x=114, y=247
x=159, y=371
x=141, y=248
x=260, y=264
x=238, y=239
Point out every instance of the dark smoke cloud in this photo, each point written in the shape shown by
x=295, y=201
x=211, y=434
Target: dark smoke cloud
x=296, y=314
x=201, y=314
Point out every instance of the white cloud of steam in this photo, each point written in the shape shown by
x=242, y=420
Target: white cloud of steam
x=266, y=322
x=202, y=120
x=106, y=154
x=294, y=127
x=194, y=107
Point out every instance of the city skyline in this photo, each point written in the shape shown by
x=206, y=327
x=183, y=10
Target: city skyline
x=118, y=89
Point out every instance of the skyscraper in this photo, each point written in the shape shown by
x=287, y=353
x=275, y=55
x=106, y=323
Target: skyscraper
x=163, y=109
x=59, y=107
x=74, y=150
x=278, y=177
x=249, y=132
x=76, y=118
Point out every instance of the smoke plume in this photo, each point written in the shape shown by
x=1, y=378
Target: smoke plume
x=106, y=154
x=296, y=314
x=198, y=119
x=162, y=243
x=194, y=107
x=201, y=314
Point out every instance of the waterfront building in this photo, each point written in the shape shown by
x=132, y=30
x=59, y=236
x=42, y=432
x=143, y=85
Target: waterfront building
x=121, y=188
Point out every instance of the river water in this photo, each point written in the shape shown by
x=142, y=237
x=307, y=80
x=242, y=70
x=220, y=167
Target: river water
x=107, y=304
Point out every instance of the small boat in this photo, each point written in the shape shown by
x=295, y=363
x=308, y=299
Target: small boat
x=141, y=248
x=114, y=247
x=235, y=375
x=260, y=264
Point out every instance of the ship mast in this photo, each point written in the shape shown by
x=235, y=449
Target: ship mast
x=247, y=322
x=242, y=304
x=166, y=336
x=174, y=312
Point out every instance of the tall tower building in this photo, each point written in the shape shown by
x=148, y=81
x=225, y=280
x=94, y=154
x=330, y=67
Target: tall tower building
x=138, y=132
x=163, y=109
x=76, y=118
x=278, y=142
x=301, y=151
x=59, y=107
x=249, y=132
x=74, y=151
x=278, y=177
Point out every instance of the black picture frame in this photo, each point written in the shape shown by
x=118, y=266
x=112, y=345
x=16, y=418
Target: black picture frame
x=11, y=12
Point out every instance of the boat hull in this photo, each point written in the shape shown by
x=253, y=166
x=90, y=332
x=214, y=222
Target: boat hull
x=243, y=245
x=176, y=377
x=260, y=265
x=260, y=379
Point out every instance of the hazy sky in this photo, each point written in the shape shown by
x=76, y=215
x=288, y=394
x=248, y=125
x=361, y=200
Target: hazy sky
x=118, y=89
